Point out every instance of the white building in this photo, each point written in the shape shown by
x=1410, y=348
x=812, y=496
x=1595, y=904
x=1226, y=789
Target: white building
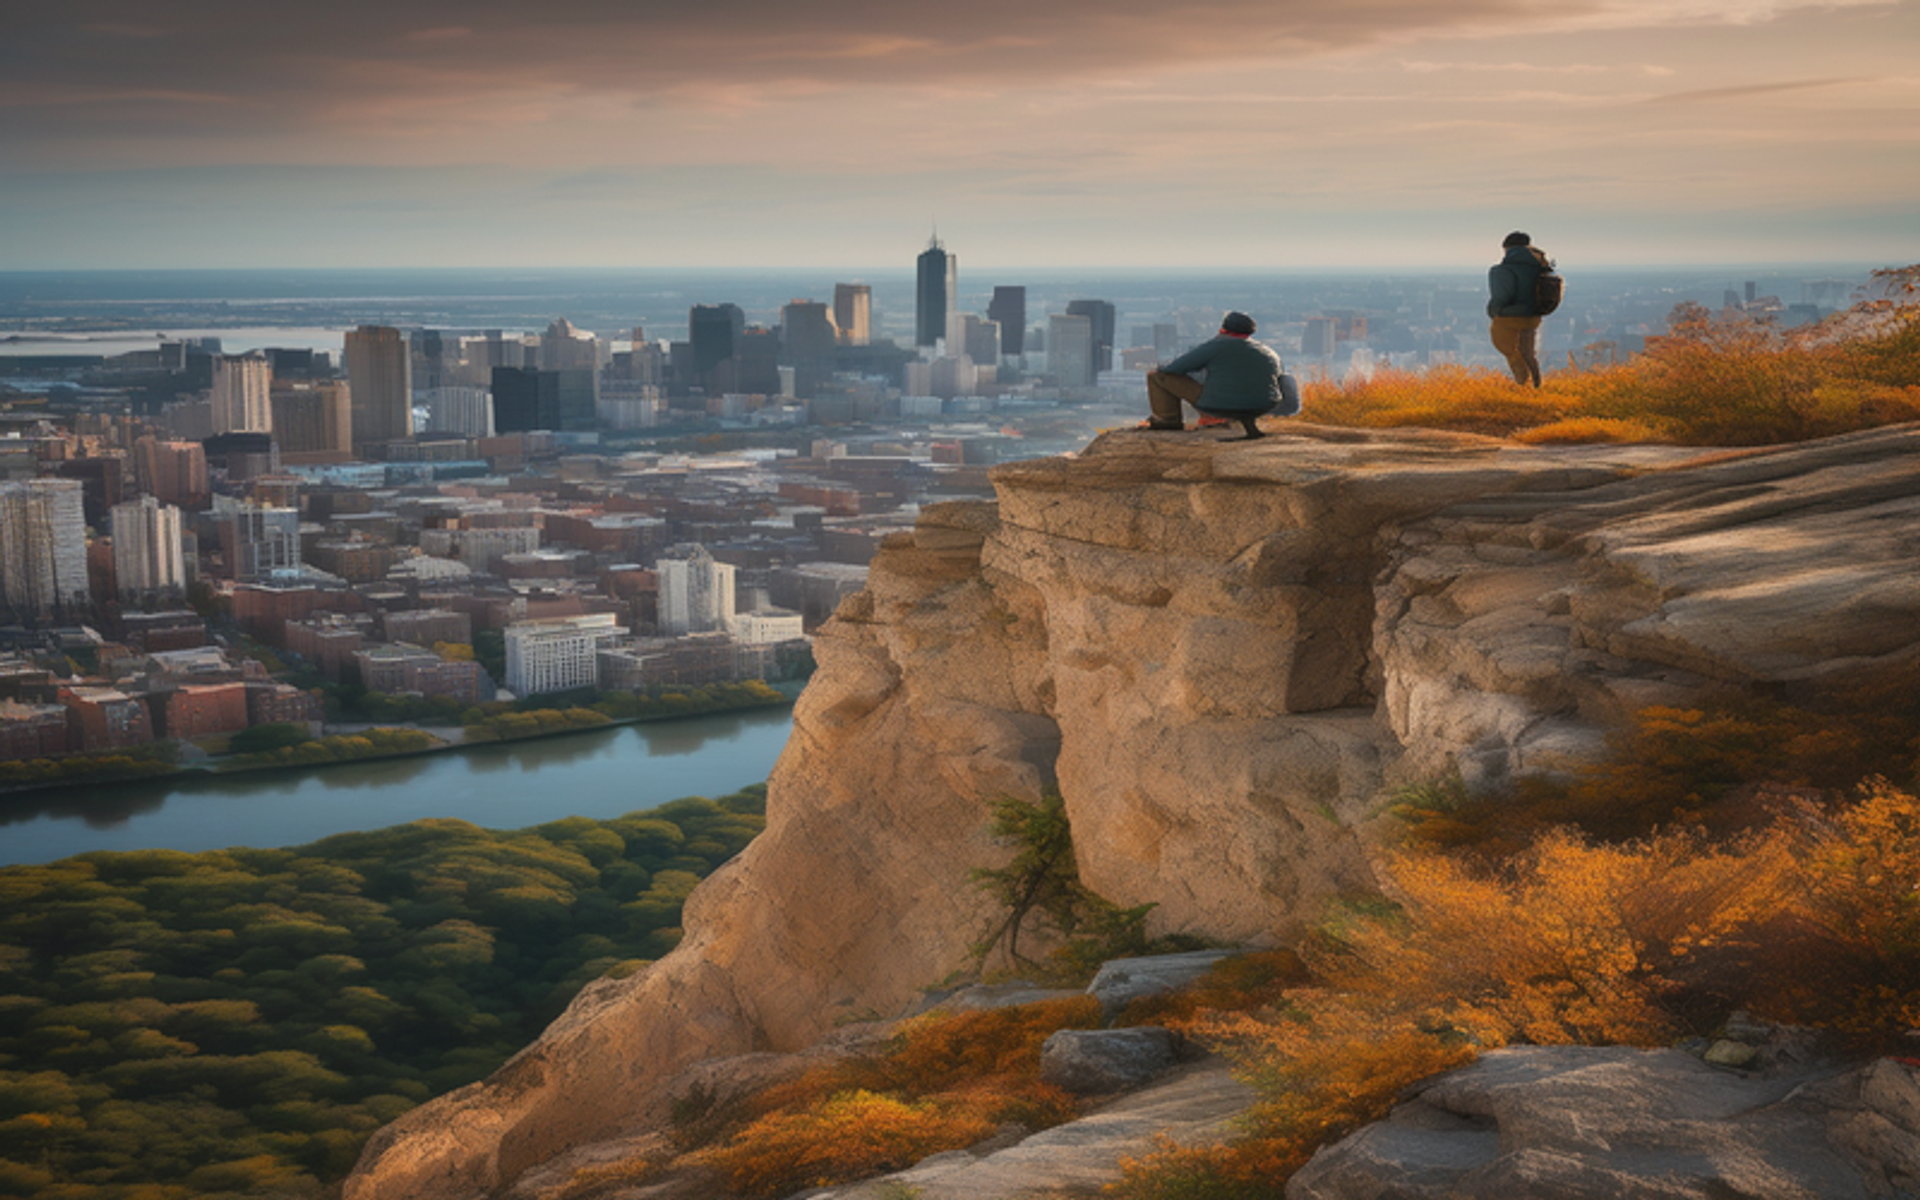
x=43, y=546
x=242, y=394
x=767, y=626
x=556, y=655
x=467, y=410
x=696, y=593
x=148, y=559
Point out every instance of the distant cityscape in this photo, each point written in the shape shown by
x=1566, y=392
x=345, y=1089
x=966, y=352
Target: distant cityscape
x=191, y=529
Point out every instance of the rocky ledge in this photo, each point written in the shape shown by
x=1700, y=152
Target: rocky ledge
x=1221, y=656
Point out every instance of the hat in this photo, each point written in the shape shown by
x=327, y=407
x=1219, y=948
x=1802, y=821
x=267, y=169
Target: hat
x=1237, y=322
x=1516, y=238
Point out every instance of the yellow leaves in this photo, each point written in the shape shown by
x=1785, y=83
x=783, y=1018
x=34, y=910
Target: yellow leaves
x=848, y=1136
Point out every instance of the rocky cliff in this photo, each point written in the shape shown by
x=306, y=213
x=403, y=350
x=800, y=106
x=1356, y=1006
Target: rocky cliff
x=1222, y=656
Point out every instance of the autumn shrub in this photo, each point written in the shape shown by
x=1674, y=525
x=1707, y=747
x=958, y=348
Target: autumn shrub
x=1234, y=984
x=1729, y=379
x=849, y=1136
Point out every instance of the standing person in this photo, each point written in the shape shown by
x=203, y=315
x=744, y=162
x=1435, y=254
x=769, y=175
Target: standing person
x=1516, y=321
x=1242, y=380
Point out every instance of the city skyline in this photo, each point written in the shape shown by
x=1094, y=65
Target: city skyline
x=1260, y=136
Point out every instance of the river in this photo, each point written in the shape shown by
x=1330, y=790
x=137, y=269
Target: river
x=600, y=773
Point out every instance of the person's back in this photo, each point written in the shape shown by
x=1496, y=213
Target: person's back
x=1242, y=374
x=1511, y=285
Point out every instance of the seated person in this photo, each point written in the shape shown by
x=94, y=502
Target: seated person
x=1242, y=380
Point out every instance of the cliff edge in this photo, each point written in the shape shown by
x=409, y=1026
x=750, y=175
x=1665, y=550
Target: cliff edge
x=1221, y=655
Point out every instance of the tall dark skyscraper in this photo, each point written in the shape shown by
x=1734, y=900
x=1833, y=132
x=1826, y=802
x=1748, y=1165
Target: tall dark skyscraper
x=1009, y=308
x=1101, y=314
x=715, y=331
x=936, y=297
x=529, y=399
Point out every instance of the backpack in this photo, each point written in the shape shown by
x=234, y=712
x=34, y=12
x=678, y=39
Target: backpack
x=1548, y=289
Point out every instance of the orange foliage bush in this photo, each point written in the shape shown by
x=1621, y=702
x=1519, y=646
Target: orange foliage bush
x=1234, y=984
x=848, y=1136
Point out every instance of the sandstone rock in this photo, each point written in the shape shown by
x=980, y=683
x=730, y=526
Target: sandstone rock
x=1550, y=1123
x=1222, y=656
x=1726, y=1053
x=1121, y=981
x=1106, y=1060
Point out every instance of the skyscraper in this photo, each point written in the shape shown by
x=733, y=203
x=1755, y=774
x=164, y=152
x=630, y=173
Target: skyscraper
x=1070, y=349
x=43, y=546
x=553, y=400
x=242, y=386
x=1009, y=307
x=936, y=297
x=1102, y=316
x=380, y=377
x=806, y=345
x=714, y=331
x=315, y=420
x=148, y=560
x=853, y=313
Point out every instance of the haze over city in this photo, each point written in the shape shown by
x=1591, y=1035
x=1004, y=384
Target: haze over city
x=1308, y=134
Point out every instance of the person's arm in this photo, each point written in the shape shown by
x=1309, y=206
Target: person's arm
x=1503, y=286
x=1193, y=360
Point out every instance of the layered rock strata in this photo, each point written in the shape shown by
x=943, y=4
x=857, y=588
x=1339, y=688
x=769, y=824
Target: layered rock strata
x=1222, y=656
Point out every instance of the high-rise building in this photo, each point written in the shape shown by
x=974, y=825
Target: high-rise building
x=714, y=330
x=242, y=388
x=806, y=344
x=258, y=539
x=553, y=400
x=467, y=410
x=853, y=313
x=149, y=562
x=43, y=547
x=936, y=294
x=314, y=420
x=1009, y=308
x=1070, y=350
x=979, y=340
x=174, y=472
x=1102, y=316
x=696, y=593
x=380, y=374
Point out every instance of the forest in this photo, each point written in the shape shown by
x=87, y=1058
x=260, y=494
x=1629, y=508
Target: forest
x=236, y=1023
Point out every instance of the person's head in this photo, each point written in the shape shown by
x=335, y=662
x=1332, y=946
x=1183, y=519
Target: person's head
x=1238, y=324
x=1516, y=238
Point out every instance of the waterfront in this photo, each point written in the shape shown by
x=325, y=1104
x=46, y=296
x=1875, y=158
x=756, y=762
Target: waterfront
x=600, y=773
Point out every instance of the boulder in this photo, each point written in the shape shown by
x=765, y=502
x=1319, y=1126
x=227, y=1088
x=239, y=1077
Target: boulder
x=1550, y=1123
x=1107, y=1060
x=1121, y=981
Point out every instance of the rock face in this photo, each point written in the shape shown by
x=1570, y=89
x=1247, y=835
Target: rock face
x=1221, y=655
x=1546, y=1123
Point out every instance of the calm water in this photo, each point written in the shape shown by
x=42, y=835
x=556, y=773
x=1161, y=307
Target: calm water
x=598, y=774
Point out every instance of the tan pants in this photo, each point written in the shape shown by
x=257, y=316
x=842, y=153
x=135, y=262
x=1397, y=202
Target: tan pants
x=1518, y=338
x=1165, y=391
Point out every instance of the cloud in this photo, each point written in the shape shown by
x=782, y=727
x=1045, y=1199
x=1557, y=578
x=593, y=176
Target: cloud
x=1749, y=91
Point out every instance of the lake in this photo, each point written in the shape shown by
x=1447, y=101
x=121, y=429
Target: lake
x=601, y=773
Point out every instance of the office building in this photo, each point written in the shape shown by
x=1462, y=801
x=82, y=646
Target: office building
x=380, y=376
x=556, y=655
x=1070, y=350
x=806, y=344
x=174, y=472
x=979, y=341
x=1009, y=308
x=696, y=593
x=467, y=410
x=149, y=561
x=714, y=332
x=853, y=313
x=43, y=547
x=242, y=391
x=936, y=293
x=1100, y=316
x=257, y=539
x=553, y=400
x=314, y=423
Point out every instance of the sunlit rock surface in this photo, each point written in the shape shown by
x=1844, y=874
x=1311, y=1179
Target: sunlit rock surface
x=1222, y=655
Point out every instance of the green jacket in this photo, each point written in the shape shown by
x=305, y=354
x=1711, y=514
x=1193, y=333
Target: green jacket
x=1511, y=282
x=1242, y=374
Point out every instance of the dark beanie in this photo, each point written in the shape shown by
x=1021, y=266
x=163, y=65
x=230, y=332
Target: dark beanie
x=1237, y=322
x=1516, y=238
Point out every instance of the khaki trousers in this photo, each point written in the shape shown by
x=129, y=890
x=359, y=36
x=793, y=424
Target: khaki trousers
x=1518, y=338
x=1165, y=391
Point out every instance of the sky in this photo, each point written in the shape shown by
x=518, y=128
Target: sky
x=1265, y=135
